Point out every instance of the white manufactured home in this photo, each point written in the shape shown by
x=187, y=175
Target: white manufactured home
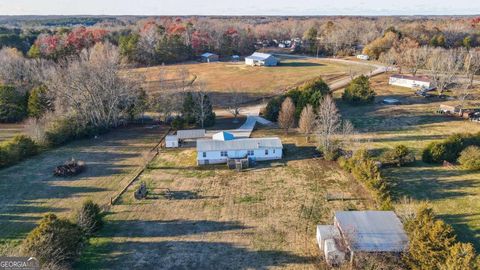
x=261, y=59
x=410, y=81
x=220, y=151
x=363, y=57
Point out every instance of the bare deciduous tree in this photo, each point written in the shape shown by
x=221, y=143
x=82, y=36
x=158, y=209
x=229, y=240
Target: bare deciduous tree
x=91, y=88
x=203, y=107
x=416, y=58
x=472, y=65
x=307, y=121
x=328, y=124
x=234, y=103
x=444, y=66
x=286, y=116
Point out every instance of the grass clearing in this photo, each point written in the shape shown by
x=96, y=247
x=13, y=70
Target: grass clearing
x=29, y=189
x=453, y=192
x=256, y=219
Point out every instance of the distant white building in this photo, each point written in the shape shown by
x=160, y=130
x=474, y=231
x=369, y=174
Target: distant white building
x=224, y=146
x=410, y=81
x=363, y=57
x=209, y=57
x=261, y=59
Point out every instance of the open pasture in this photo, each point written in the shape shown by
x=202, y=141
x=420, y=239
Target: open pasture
x=29, y=189
x=453, y=192
x=221, y=78
x=215, y=218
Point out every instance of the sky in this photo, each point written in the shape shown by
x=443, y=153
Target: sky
x=239, y=7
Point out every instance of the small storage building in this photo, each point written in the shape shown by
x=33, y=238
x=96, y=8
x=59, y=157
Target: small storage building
x=333, y=255
x=325, y=232
x=410, y=81
x=209, y=57
x=190, y=134
x=371, y=231
x=261, y=59
x=171, y=141
x=449, y=109
x=235, y=58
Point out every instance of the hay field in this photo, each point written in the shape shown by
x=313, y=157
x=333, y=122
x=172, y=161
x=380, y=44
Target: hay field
x=214, y=218
x=221, y=78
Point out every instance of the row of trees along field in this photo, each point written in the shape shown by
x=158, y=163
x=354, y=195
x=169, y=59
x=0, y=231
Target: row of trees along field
x=82, y=96
x=155, y=41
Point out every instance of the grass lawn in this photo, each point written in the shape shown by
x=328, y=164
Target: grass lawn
x=254, y=82
x=454, y=193
x=215, y=218
x=8, y=131
x=29, y=190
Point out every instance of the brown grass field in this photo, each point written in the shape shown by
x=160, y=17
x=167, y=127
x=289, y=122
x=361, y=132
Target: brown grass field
x=221, y=78
x=214, y=218
x=454, y=193
x=8, y=131
x=29, y=189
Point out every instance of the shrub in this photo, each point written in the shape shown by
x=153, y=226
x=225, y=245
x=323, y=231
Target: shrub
x=364, y=169
x=89, y=217
x=470, y=158
x=310, y=92
x=359, y=92
x=433, y=244
x=398, y=156
x=54, y=242
x=63, y=130
x=273, y=108
x=38, y=102
x=13, y=106
x=450, y=148
x=16, y=150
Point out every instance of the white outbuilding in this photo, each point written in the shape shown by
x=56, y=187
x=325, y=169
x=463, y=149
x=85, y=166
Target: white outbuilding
x=410, y=81
x=363, y=57
x=209, y=57
x=256, y=149
x=171, y=141
x=261, y=59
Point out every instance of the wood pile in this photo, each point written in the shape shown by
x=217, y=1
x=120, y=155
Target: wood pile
x=70, y=168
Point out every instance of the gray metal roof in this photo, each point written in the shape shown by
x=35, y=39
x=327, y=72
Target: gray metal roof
x=411, y=78
x=372, y=231
x=238, y=144
x=259, y=56
x=208, y=54
x=191, y=133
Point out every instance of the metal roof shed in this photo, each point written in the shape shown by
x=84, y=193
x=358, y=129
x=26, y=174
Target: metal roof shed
x=190, y=134
x=372, y=231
